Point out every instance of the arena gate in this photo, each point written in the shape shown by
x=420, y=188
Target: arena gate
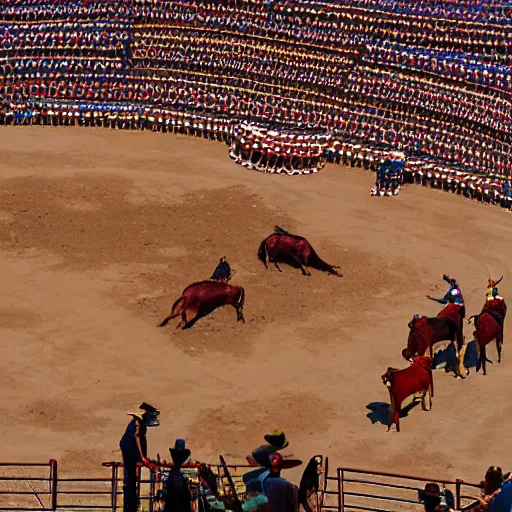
x=37, y=486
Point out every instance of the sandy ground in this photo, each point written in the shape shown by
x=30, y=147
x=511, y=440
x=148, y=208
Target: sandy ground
x=101, y=230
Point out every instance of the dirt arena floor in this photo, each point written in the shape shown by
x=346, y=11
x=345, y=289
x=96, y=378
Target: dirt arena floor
x=101, y=230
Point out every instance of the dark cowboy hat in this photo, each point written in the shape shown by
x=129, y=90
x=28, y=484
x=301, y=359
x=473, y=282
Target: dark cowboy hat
x=179, y=453
x=431, y=490
x=277, y=439
x=266, y=456
x=149, y=408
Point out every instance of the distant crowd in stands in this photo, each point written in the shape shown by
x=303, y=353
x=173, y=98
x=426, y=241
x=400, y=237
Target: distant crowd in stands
x=431, y=80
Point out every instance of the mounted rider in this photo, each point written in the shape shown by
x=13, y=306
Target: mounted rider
x=492, y=289
x=453, y=295
x=222, y=272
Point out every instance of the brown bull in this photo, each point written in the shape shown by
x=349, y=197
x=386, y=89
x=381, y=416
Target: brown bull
x=416, y=379
x=425, y=332
x=200, y=299
x=295, y=250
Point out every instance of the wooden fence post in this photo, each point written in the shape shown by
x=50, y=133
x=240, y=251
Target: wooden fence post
x=458, y=484
x=54, y=478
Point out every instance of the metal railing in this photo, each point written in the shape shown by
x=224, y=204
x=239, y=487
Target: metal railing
x=28, y=491
x=359, y=489
x=37, y=486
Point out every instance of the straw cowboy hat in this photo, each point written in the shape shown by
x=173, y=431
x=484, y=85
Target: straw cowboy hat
x=179, y=453
x=277, y=439
x=145, y=408
x=267, y=457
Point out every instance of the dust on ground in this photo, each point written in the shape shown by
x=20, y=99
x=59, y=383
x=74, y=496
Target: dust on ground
x=101, y=230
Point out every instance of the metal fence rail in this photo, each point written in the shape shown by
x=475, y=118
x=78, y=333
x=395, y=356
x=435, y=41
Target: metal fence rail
x=37, y=486
x=28, y=485
x=359, y=489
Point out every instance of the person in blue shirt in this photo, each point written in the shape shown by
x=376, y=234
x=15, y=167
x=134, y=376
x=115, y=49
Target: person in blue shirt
x=134, y=447
x=383, y=172
x=453, y=295
x=502, y=501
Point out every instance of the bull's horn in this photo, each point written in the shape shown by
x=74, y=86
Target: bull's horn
x=388, y=384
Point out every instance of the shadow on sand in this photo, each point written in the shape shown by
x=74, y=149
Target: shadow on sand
x=446, y=358
x=380, y=410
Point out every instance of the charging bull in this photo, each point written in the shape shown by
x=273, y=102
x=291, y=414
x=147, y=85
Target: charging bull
x=416, y=379
x=200, y=299
x=295, y=250
x=425, y=332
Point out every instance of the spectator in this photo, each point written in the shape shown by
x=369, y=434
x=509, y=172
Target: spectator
x=177, y=494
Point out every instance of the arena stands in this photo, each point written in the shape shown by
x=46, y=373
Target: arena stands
x=430, y=79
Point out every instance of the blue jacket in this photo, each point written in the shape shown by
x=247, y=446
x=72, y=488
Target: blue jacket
x=502, y=502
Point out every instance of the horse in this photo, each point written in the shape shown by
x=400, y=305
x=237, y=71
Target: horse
x=425, y=332
x=489, y=324
x=200, y=299
x=295, y=250
x=488, y=327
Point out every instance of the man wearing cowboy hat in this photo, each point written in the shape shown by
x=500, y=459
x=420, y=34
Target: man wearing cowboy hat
x=177, y=491
x=282, y=495
x=134, y=447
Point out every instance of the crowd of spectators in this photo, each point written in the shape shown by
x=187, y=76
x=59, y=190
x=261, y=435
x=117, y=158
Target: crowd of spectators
x=432, y=79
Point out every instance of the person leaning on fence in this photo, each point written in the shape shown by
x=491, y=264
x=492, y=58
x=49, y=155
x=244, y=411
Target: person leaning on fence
x=133, y=446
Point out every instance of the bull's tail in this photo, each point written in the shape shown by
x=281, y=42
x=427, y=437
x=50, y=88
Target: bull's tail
x=262, y=252
x=314, y=261
x=176, y=310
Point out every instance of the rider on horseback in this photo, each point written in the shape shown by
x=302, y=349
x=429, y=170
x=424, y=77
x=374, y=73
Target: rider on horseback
x=492, y=290
x=222, y=272
x=453, y=295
